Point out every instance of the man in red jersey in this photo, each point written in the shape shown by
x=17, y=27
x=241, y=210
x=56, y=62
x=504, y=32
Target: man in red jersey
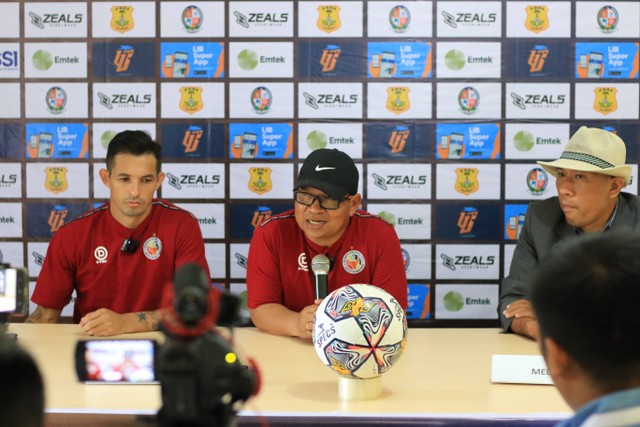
x=119, y=257
x=363, y=248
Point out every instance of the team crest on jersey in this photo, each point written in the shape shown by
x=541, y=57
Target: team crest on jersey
x=329, y=18
x=606, y=101
x=467, y=180
x=191, y=99
x=122, y=18
x=537, y=180
x=398, y=99
x=260, y=180
x=537, y=20
x=56, y=99
x=353, y=262
x=608, y=19
x=261, y=100
x=56, y=179
x=468, y=100
x=192, y=18
x=399, y=18
x=152, y=248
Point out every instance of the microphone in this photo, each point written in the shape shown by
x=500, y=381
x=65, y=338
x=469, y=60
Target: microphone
x=129, y=246
x=321, y=265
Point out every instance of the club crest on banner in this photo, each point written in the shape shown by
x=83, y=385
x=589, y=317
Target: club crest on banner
x=329, y=18
x=122, y=19
x=606, y=101
x=467, y=180
x=56, y=179
x=398, y=99
x=192, y=19
x=608, y=19
x=399, y=18
x=261, y=99
x=56, y=99
x=537, y=180
x=191, y=99
x=468, y=100
x=260, y=180
x=537, y=20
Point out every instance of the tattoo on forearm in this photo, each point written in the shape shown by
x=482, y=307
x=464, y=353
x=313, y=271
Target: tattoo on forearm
x=150, y=317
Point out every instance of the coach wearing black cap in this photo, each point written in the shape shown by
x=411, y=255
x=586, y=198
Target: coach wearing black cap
x=360, y=247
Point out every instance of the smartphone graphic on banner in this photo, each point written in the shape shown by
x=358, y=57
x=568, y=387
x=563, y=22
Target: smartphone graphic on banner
x=595, y=66
x=387, y=64
x=45, y=146
x=180, y=61
x=249, y=142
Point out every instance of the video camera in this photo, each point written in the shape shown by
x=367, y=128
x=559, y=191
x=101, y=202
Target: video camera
x=14, y=292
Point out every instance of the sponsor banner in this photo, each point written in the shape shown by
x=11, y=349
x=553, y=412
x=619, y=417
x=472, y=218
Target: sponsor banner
x=338, y=19
x=10, y=20
x=508, y=256
x=11, y=181
x=238, y=257
x=477, y=221
x=240, y=291
x=606, y=101
x=260, y=100
x=124, y=100
x=538, y=100
x=606, y=60
x=11, y=254
x=399, y=101
x=411, y=221
x=539, y=20
x=56, y=100
x=257, y=19
x=103, y=133
x=57, y=141
x=9, y=60
x=56, y=60
x=192, y=140
x=417, y=261
x=44, y=218
x=408, y=60
x=36, y=252
x=467, y=181
x=192, y=100
x=419, y=296
x=473, y=141
x=188, y=19
x=607, y=19
x=261, y=140
x=58, y=180
x=514, y=221
x=389, y=181
x=193, y=181
x=330, y=59
x=405, y=141
x=10, y=219
x=10, y=138
x=346, y=137
x=473, y=301
x=244, y=218
x=215, y=253
x=477, y=262
x=261, y=180
x=55, y=20
x=196, y=60
x=262, y=60
x=539, y=58
x=10, y=110
x=330, y=100
x=210, y=217
x=475, y=60
x=469, y=19
x=114, y=60
x=535, y=141
x=124, y=20
x=469, y=100
x=528, y=182
x=407, y=20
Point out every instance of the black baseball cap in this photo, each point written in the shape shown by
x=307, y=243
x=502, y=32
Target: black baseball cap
x=330, y=171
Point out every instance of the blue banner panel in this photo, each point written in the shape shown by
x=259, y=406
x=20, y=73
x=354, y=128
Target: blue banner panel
x=613, y=60
x=419, y=301
x=468, y=141
x=10, y=141
x=194, y=60
x=468, y=221
x=406, y=141
x=408, y=60
x=57, y=141
x=245, y=218
x=514, y=220
x=540, y=58
x=45, y=218
x=330, y=59
x=113, y=60
x=261, y=140
x=200, y=140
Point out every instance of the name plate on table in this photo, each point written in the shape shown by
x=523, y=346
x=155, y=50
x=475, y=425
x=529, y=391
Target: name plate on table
x=520, y=369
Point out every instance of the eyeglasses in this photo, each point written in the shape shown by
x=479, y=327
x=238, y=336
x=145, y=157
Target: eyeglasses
x=325, y=202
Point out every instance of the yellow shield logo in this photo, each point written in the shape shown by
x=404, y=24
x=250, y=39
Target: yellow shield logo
x=56, y=179
x=467, y=180
x=329, y=18
x=606, y=101
x=260, y=180
x=398, y=99
x=122, y=18
x=191, y=99
x=537, y=20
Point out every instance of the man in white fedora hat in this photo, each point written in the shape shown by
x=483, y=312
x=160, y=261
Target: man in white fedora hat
x=590, y=174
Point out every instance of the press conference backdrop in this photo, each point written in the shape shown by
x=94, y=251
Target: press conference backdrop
x=444, y=105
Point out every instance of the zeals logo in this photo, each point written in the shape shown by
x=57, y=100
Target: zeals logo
x=330, y=100
x=468, y=19
x=467, y=262
x=55, y=19
x=192, y=181
x=123, y=100
x=260, y=19
x=537, y=101
x=399, y=181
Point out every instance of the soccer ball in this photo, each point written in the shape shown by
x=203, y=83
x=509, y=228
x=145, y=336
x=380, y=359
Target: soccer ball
x=359, y=331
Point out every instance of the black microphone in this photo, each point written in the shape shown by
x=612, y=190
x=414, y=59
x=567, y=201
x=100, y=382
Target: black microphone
x=320, y=265
x=129, y=246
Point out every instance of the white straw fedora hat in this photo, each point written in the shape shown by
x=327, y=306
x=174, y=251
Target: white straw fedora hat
x=593, y=150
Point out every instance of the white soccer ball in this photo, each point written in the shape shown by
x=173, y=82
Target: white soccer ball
x=359, y=331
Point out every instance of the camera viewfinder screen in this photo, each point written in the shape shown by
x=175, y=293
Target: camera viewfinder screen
x=118, y=361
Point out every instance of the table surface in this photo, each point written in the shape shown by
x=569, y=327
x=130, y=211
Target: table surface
x=443, y=372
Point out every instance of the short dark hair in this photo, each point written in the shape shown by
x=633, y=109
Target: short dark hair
x=22, y=390
x=585, y=296
x=134, y=142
